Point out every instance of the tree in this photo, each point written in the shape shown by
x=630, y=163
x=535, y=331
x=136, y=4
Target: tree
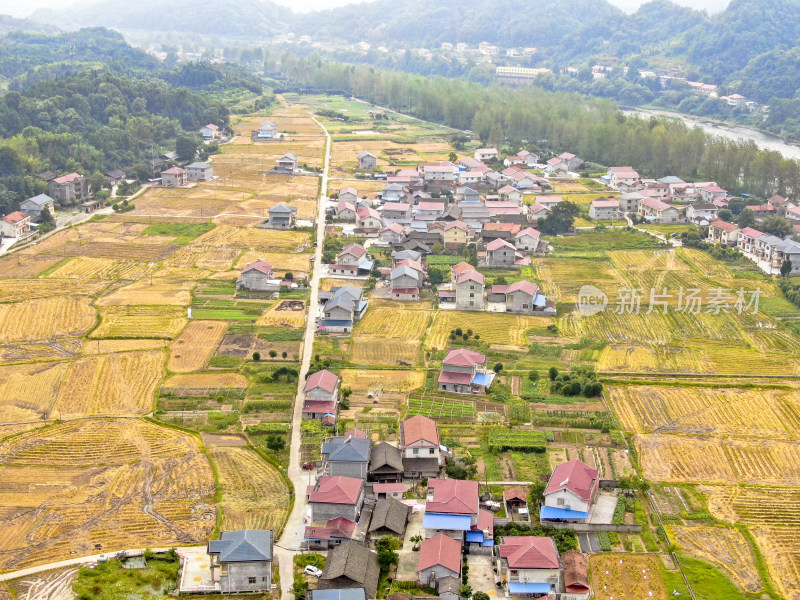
x=436, y=275
x=289, y=276
x=560, y=219
x=97, y=182
x=746, y=218
x=187, y=146
x=725, y=215
x=786, y=268
x=276, y=443
x=46, y=221
x=553, y=373
x=256, y=356
x=465, y=591
x=273, y=353
x=284, y=354
x=533, y=375
x=777, y=226
x=387, y=555
x=498, y=367
x=480, y=596
x=453, y=157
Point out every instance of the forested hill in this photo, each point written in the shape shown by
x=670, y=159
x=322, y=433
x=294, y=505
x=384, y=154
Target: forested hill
x=421, y=22
x=250, y=19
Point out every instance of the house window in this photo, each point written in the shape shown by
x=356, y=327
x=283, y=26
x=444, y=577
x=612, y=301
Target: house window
x=472, y=295
x=251, y=580
x=560, y=502
x=263, y=579
x=416, y=450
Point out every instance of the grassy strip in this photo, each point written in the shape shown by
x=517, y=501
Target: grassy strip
x=760, y=562
x=183, y=232
x=707, y=582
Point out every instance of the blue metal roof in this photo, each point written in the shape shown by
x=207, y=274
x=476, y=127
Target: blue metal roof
x=487, y=543
x=340, y=594
x=482, y=379
x=335, y=323
x=451, y=522
x=540, y=300
x=529, y=588
x=552, y=512
x=474, y=536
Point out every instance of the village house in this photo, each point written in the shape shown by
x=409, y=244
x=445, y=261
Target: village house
x=572, y=161
x=15, y=225
x=350, y=566
x=352, y=261
x=622, y=177
x=33, y=207
x=516, y=503
x=525, y=297
x=320, y=395
x=346, y=211
x=257, y=276
x=537, y=212
x=343, y=308
x=282, y=216
x=774, y=251
x=469, y=289
x=115, y=176
x=780, y=203
x=368, y=219
x=72, y=188
x=510, y=193
x=710, y=191
x=523, y=157
x=333, y=497
x=529, y=565
x=470, y=177
x=604, y=210
x=241, y=561
x=389, y=490
x=428, y=210
x=529, y=240
x=209, y=132
x=396, y=212
x=656, y=211
x=444, y=172
x=464, y=372
x=348, y=194
x=761, y=210
x=452, y=508
x=629, y=203
x=465, y=194
x=199, y=171
x=346, y=457
x=701, y=213
x=722, y=232
x=455, y=234
x=439, y=557
x=503, y=231
x=386, y=464
x=486, y=154
x=334, y=533
x=500, y=253
x=575, y=580
x=506, y=211
x=793, y=213
x=419, y=445
x=570, y=493
x=286, y=164
x=267, y=131
x=393, y=235
x=746, y=241
x=173, y=177
x=406, y=280
x=389, y=517
x=367, y=161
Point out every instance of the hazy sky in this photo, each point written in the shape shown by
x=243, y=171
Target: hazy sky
x=22, y=8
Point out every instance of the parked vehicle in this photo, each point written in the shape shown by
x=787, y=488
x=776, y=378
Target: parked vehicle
x=313, y=571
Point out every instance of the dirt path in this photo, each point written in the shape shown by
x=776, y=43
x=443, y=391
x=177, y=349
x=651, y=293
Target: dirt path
x=55, y=585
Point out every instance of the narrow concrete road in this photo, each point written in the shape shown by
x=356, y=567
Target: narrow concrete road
x=288, y=544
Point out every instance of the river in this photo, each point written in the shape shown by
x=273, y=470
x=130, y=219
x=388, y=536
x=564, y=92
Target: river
x=731, y=132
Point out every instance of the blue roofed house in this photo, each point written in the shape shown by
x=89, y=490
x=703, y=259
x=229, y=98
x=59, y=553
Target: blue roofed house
x=530, y=566
x=340, y=594
x=342, y=310
x=241, y=561
x=570, y=493
x=33, y=207
x=346, y=457
x=453, y=508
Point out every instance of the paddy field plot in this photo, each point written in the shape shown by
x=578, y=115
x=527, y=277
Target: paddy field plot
x=118, y=483
x=387, y=380
x=762, y=413
x=495, y=328
x=325, y=285
x=280, y=261
x=28, y=391
x=81, y=267
x=14, y=290
x=386, y=322
x=384, y=351
x=21, y=265
x=162, y=322
x=285, y=314
x=116, y=384
x=196, y=381
x=161, y=291
x=254, y=494
x=627, y=577
x=195, y=345
x=725, y=548
x=111, y=346
x=45, y=318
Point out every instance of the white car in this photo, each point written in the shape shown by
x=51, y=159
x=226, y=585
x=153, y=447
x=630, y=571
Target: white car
x=312, y=570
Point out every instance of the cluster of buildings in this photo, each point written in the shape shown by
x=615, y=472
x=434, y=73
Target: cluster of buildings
x=177, y=176
x=768, y=251
x=467, y=291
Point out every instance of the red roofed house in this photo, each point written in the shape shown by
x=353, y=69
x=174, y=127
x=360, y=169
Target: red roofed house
x=452, y=507
x=528, y=240
x=762, y=210
x=722, y=232
x=439, y=557
x=530, y=565
x=493, y=231
x=332, y=534
x=622, y=176
x=334, y=497
x=576, y=575
x=15, y=225
x=321, y=393
x=500, y=253
x=173, y=177
x=469, y=286
x=604, y=210
x=656, y=211
x=209, y=132
x=393, y=234
x=368, y=218
x=746, y=242
x=348, y=260
x=257, y=277
x=455, y=234
x=524, y=297
x=69, y=188
x=510, y=193
x=484, y=154
x=464, y=372
x=570, y=492
x=419, y=445
x=346, y=211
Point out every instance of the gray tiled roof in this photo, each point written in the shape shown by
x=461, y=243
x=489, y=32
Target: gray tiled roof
x=389, y=514
x=340, y=449
x=351, y=565
x=245, y=545
x=385, y=455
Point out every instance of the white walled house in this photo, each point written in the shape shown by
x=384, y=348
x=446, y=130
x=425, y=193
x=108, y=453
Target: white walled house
x=570, y=492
